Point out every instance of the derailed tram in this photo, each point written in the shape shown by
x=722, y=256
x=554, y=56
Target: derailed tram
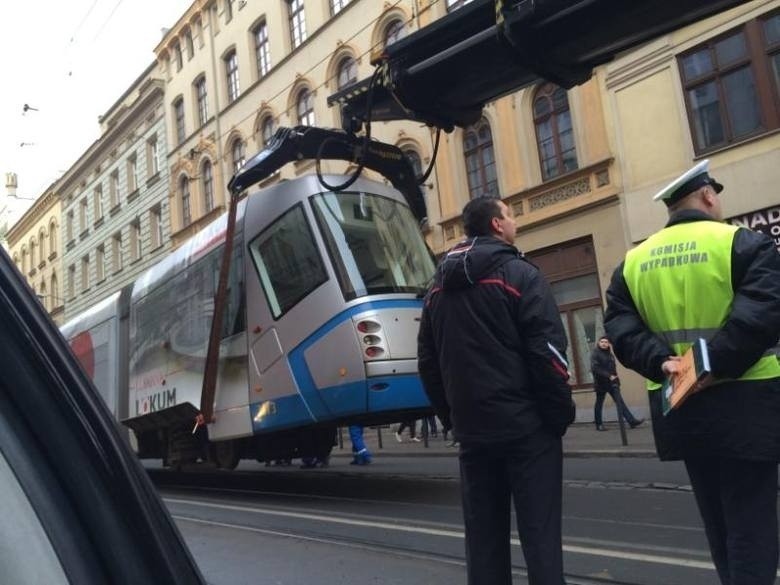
x=321, y=313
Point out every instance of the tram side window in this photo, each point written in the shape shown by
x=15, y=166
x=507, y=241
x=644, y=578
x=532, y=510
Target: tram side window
x=234, y=320
x=287, y=261
x=180, y=311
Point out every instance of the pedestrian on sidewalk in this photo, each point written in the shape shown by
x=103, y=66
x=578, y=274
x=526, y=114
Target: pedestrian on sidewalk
x=412, y=426
x=360, y=453
x=429, y=422
x=490, y=355
x=606, y=381
x=700, y=277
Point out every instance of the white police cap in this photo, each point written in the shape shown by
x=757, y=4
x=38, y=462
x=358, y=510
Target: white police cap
x=687, y=183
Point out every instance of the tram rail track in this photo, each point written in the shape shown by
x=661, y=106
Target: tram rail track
x=395, y=550
x=279, y=516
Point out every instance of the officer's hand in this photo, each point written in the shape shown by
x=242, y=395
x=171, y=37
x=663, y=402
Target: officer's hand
x=671, y=366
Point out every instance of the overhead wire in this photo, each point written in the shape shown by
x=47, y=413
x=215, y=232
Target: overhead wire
x=83, y=20
x=107, y=20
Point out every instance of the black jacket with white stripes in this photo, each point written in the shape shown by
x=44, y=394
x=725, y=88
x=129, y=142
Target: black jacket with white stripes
x=491, y=348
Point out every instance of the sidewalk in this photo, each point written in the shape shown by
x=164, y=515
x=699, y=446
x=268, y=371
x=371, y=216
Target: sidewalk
x=581, y=440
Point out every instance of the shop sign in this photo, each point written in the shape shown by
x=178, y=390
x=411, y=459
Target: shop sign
x=766, y=221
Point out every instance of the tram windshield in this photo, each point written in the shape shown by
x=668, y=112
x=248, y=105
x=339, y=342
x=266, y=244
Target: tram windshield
x=374, y=243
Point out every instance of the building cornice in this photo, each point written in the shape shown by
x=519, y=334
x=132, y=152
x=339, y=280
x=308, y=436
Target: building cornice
x=196, y=8
x=126, y=117
x=140, y=83
x=32, y=217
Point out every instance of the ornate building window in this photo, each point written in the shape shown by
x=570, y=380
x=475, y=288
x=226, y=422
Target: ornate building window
x=238, y=153
x=480, y=160
x=554, y=133
x=231, y=73
x=153, y=156
x=100, y=263
x=97, y=203
x=178, y=118
x=132, y=170
x=178, y=55
x=189, y=45
x=415, y=161
x=186, y=208
x=207, y=178
x=731, y=84
x=55, y=291
x=53, y=233
x=156, y=226
x=267, y=129
x=116, y=252
x=394, y=31
x=85, y=272
x=347, y=72
x=337, y=6
x=305, y=108
x=201, y=94
x=297, y=22
x=69, y=233
x=136, y=244
x=113, y=189
x=42, y=245
x=71, y=281
x=262, y=49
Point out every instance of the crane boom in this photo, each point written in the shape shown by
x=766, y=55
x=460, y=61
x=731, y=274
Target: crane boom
x=443, y=74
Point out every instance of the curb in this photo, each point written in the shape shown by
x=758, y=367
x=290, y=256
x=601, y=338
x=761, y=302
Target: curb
x=574, y=454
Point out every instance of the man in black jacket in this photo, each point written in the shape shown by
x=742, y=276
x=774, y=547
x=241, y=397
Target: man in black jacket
x=606, y=381
x=699, y=277
x=491, y=357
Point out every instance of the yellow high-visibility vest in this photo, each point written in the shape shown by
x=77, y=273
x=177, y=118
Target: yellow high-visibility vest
x=680, y=282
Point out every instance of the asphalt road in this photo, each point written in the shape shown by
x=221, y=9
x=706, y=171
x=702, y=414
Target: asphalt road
x=625, y=521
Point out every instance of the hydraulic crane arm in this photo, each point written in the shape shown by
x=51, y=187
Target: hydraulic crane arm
x=444, y=73
x=309, y=142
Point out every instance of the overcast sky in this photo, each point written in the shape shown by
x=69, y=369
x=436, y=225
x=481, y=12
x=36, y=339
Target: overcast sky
x=70, y=60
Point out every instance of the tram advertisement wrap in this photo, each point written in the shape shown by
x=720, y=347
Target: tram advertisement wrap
x=92, y=349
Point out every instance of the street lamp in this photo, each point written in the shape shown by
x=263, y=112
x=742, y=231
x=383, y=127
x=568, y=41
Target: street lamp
x=27, y=107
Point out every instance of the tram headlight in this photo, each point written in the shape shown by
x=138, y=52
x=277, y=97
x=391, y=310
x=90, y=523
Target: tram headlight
x=372, y=340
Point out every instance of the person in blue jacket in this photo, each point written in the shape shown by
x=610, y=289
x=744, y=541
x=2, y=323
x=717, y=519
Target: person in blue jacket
x=360, y=453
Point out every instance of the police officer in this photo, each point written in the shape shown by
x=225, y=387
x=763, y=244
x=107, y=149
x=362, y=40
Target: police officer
x=699, y=277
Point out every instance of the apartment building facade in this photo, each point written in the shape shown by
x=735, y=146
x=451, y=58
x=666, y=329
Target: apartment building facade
x=711, y=90
x=36, y=250
x=236, y=71
x=115, y=199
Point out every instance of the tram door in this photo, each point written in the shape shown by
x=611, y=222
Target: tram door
x=287, y=290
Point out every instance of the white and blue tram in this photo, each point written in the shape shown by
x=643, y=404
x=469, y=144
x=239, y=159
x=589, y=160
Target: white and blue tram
x=319, y=328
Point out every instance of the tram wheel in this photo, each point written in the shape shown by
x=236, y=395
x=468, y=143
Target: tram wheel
x=227, y=454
